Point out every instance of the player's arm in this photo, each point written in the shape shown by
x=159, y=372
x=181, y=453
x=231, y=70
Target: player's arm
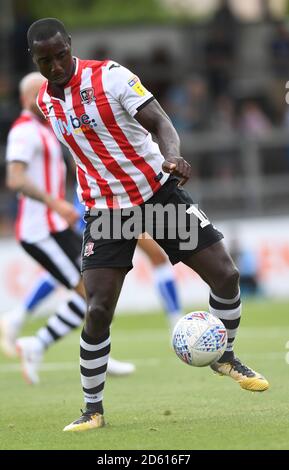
x=153, y=118
x=18, y=180
x=141, y=105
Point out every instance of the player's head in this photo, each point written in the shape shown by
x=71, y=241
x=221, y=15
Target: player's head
x=28, y=90
x=50, y=46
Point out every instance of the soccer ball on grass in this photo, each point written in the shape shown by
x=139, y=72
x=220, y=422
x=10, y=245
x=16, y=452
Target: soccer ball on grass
x=199, y=339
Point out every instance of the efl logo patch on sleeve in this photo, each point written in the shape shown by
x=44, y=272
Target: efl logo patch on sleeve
x=136, y=85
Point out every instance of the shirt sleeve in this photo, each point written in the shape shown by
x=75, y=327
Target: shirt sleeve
x=127, y=88
x=22, y=143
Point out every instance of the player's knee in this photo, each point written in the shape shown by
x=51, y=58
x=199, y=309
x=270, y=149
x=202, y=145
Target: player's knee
x=233, y=278
x=98, y=320
x=227, y=282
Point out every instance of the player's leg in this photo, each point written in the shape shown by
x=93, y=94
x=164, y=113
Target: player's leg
x=60, y=255
x=43, y=287
x=103, y=286
x=200, y=248
x=105, y=262
x=50, y=253
x=31, y=349
x=115, y=368
x=11, y=322
x=164, y=278
x=216, y=268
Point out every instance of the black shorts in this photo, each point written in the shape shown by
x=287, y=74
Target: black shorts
x=101, y=248
x=60, y=255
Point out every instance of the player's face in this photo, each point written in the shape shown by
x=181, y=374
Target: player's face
x=54, y=59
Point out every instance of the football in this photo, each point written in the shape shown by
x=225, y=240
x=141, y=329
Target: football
x=199, y=339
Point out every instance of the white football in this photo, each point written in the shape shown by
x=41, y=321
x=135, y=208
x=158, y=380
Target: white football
x=199, y=339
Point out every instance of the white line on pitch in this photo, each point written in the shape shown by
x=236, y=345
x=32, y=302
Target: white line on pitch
x=59, y=366
x=148, y=362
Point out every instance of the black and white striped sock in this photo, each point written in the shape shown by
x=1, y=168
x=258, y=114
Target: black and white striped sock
x=229, y=312
x=94, y=356
x=70, y=315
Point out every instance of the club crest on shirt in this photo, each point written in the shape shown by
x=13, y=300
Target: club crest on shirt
x=88, y=249
x=87, y=95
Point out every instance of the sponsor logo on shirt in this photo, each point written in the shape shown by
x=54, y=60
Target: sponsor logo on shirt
x=132, y=81
x=135, y=84
x=75, y=124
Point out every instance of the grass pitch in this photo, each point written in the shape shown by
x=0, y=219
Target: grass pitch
x=165, y=404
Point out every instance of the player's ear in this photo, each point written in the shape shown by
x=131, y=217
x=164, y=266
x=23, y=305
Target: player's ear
x=30, y=53
x=69, y=40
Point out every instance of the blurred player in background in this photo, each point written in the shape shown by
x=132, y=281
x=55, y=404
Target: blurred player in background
x=249, y=267
x=104, y=115
x=164, y=280
x=12, y=322
x=36, y=169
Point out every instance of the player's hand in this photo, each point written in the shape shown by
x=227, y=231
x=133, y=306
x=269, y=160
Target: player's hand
x=179, y=167
x=65, y=210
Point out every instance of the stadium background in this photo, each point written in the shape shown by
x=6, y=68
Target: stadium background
x=220, y=70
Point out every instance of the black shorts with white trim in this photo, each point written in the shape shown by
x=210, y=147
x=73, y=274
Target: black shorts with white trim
x=169, y=216
x=59, y=254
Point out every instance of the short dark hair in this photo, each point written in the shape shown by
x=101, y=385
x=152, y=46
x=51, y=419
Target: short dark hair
x=43, y=29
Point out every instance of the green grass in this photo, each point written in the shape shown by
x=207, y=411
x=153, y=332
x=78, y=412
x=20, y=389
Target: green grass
x=165, y=404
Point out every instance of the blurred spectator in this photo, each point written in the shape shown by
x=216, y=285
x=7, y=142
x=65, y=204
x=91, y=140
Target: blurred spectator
x=223, y=121
x=225, y=19
x=285, y=126
x=285, y=122
x=161, y=65
x=253, y=121
x=21, y=60
x=219, y=56
x=100, y=52
x=279, y=50
x=219, y=50
x=279, y=55
x=223, y=116
x=188, y=104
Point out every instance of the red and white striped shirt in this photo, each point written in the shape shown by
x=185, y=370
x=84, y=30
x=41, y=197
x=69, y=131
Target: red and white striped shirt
x=118, y=164
x=32, y=142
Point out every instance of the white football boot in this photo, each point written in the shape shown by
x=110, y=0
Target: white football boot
x=118, y=368
x=30, y=350
x=10, y=327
